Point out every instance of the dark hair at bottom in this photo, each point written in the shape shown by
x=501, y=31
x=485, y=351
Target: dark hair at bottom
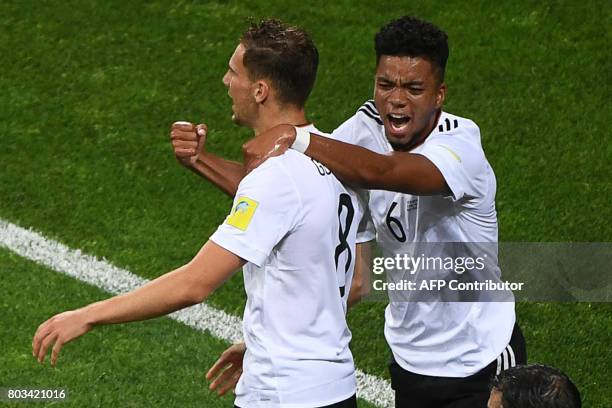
x=536, y=386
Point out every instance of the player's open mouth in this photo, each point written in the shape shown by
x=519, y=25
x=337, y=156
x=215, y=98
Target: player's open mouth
x=398, y=122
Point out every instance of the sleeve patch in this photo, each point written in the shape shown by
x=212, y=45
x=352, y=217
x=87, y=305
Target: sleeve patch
x=242, y=213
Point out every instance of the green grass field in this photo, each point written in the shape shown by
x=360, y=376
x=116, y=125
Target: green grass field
x=89, y=90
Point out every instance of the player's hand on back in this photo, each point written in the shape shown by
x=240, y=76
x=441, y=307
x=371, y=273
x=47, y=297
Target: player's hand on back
x=270, y=143
x=57, y=331
x=227, y=370
x=188, y=141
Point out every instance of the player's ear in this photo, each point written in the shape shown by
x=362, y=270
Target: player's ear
x=441, y=95
x=261, y=91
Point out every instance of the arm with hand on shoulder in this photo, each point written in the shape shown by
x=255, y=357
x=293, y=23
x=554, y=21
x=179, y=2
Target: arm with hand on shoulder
x=398, y=171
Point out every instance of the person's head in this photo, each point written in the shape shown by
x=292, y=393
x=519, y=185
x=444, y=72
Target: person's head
x=409, y=87
x=533, y=386
x=273, y=64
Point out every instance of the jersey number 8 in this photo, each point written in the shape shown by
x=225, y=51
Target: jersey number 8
x=344, y=203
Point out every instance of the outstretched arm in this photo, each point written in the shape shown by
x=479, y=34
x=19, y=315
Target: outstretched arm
x=185, y=286
x=398, y=171
x=188, y=142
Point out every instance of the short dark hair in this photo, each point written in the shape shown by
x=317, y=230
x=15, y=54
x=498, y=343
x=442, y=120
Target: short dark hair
x=411, y=37
x=286, y=55
x=536, y=386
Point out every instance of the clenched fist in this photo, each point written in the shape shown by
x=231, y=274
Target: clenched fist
x=188, y=141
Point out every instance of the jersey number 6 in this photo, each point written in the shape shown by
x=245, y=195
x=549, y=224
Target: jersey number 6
x=392, y=220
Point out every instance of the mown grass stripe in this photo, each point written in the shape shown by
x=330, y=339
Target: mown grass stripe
x=100, y=273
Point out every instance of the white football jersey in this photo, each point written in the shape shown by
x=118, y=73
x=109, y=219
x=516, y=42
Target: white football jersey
x=444, y=339
x=296, y=225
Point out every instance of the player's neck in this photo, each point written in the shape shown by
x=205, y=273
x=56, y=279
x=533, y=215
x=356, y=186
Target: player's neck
x=289, y=116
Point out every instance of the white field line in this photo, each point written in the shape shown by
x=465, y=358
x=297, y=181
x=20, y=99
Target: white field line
x=112, y=279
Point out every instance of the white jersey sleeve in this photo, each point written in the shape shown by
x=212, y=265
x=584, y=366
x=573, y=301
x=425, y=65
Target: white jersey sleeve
x=360, y=128
x=265, y=209
x=458, y=155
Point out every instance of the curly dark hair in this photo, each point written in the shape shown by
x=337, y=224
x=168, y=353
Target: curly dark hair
x=283, y=54
x=411, y=37
x=536, y=386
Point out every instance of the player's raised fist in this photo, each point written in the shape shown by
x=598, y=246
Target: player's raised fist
x=188, y=141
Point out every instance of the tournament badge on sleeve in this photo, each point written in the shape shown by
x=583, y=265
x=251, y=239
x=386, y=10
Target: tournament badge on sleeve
x=242, y=213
